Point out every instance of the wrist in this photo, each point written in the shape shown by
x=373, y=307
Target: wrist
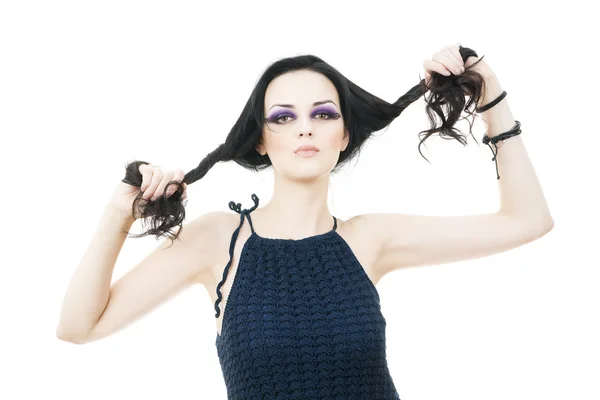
x=491, y=90
x=118, y=217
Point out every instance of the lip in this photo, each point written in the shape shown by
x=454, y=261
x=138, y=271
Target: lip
x=306, y=153
x=306, y=147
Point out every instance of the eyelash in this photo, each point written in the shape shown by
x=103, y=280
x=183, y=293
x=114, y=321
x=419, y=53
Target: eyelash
x=330, y=116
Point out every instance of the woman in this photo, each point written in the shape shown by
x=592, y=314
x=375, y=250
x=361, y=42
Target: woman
x=297, y=311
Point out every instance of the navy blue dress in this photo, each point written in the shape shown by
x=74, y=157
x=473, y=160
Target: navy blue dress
x=303, y=321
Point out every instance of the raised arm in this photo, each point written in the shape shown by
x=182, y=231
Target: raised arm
x=93, y=309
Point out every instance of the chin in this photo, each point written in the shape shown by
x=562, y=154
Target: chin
x=308, y=172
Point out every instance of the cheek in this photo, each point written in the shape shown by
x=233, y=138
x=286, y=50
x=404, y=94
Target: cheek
x=333, y=141
x=277, y=144
x=334, y=138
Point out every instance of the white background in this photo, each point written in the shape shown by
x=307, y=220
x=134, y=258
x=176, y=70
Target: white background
x=88, y=86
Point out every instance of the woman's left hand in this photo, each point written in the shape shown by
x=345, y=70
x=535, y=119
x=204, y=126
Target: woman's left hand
x=448, y=61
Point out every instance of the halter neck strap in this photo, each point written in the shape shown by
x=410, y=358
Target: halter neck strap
x=237, y=207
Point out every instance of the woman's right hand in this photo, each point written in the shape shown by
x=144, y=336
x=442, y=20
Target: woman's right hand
x=154, y=182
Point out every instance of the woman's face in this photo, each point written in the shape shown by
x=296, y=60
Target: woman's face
x=302, y=107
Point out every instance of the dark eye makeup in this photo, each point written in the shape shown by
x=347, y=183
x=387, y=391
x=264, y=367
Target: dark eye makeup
x=276, y=118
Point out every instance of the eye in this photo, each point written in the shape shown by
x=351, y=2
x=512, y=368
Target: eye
x=328, y=115
x=324, y=113
x=278, y=119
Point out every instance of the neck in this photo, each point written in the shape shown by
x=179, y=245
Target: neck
x=298, y=208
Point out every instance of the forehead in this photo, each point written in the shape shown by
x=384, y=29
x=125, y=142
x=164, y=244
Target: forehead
x=300, y=88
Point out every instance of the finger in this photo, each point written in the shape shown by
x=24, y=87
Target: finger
x=146, y=171
x=453, y=54
x=455, y=50
x=160, y=189
x=172, y=186
x=448, y=63
x=451, y=62
x=436, y=66
x=427, y=77
x=157, y=175
x=184, y=195
x=178, y=174
x=470, y=61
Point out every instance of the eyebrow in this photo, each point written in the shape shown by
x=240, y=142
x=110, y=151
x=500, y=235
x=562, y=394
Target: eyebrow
x=316, y=103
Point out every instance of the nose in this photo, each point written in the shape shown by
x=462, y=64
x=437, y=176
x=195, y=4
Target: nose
x=304, y=127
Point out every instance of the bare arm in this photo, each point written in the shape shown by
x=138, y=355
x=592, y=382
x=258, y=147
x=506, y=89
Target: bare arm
x=93, y=309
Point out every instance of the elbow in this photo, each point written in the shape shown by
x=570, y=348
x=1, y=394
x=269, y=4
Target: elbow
x=545, y=228
x=534, y=228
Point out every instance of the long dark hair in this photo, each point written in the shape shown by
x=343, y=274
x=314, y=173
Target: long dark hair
x=363, y=114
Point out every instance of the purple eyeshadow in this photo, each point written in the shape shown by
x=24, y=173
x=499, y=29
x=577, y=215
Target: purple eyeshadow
x=330, y=110
x=284, y=114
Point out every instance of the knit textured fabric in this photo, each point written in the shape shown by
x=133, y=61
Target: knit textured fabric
x=302, y=321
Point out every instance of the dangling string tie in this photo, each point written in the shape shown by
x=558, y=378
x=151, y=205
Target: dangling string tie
x=237, y=207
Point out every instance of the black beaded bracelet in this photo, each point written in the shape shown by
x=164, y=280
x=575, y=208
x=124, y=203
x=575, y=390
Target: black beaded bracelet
x=516, y=130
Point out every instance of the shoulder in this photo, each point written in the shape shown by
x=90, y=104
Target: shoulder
x=366, y=230
x=206, y=225
x=206, y=234
x=364, y=243
x=360, y=227
x=212, y=227
x=213, y=233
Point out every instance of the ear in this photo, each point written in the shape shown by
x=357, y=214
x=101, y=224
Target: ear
x=346, y=139
x=261, y=149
